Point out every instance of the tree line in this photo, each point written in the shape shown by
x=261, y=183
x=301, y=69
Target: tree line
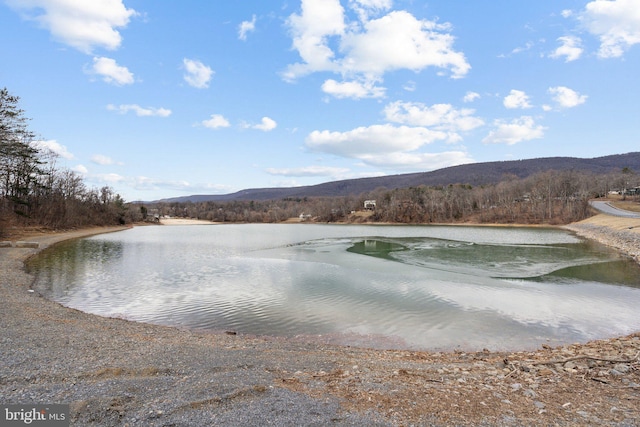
x=34, y=191
x=550, y=197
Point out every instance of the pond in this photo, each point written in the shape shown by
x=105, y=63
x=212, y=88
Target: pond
x=410, y=287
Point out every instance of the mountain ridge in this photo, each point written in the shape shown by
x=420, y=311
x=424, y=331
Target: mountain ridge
x=475, y=174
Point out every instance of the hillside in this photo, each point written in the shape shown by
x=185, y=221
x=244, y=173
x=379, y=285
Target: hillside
x=473, y=174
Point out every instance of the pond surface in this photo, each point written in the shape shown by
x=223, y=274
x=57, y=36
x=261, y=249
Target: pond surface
x=412, y=287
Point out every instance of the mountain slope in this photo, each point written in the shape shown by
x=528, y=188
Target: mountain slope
x=473, y=174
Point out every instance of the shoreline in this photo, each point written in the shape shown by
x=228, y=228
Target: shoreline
x=619, y=233
x=115, y=371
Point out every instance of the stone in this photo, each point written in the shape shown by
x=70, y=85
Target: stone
x=623, y=368
x=21, y=244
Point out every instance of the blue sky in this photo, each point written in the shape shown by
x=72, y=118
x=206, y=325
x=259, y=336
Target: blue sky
x=169, y=98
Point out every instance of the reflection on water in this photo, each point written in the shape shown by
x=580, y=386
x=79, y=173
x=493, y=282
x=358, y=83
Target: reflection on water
x=420, y=287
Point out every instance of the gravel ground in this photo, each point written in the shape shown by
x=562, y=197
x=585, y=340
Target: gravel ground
x=620, y=233
x=118, y=373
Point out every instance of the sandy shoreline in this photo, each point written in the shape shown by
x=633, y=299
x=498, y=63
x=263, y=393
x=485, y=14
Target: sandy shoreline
x=115, y=372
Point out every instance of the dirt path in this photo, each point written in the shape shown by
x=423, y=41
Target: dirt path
x=115, y=372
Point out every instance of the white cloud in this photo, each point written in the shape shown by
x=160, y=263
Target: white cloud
x=471, y=96
x=387, y=146
x=353, y=89
x=110, y=178
x=81, y=169
x=140, y=111
x=524, y=48
x=54, y=147
x=111, y=72
x=418, y=161
x=567, y=98
x=366, y=8
x=144, y=183
x=365, y=50
x=102, y=160
x=319, y=20
x=410, y=86
x=399, y=147
x=615, y=22
x=216, y=121
x=516, y=99
x=570, y=48
x=267, y=124
x=401, y=41
x=84, y=25
x=246, y=27
x=440, y=117
x=197, y=74
x=309, y=171
x=566, y=13
x=377, y=139
x=518, y=130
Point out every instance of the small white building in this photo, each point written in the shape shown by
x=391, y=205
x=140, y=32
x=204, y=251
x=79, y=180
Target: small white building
x=370, y=204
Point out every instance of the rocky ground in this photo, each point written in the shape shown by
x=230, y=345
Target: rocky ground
x=114, y=372
x=620, y=233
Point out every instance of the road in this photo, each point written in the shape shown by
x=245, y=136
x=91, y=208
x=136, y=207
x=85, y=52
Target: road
x=608, y=209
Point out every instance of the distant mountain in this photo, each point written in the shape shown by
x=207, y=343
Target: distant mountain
x=474, y=174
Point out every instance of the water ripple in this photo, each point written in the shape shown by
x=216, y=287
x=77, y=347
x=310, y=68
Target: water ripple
x=409, y=287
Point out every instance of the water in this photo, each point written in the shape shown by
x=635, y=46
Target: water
x=414, y=287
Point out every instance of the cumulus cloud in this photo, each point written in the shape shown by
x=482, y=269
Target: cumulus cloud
x=216, y=121
x=367, y=49
x=309, y=171
x=54, y=147
x=567, y=98
x=401, y=41
x=353, y=89
x=570, y=48
x=516, y=99
x=84, y=25
x=144, y=183
x=387, y=146
x=366, y=8
x=267, y=124
x=197, y=74
x=471, y=96
x=111, y=72
x=140, y=111
x=102, y=160
x=400, y=143
x=110, y=178
x=81, y=169
x=376, y=139
x=417, y=161
x=440, y=117
x=310, y=31
x=615, y=22
x=518, y=130
x=246, y=27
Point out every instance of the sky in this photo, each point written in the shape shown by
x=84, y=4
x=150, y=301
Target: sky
x=160, y=99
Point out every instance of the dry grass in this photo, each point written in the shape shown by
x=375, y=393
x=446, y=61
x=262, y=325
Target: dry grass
x=614, y=222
